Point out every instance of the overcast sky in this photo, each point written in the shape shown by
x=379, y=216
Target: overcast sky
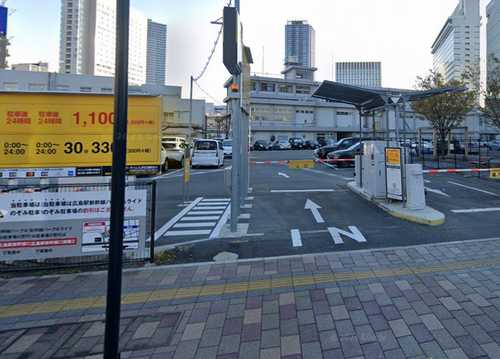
x=397, y=32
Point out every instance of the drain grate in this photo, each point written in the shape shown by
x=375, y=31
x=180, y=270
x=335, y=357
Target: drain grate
x=77, y=340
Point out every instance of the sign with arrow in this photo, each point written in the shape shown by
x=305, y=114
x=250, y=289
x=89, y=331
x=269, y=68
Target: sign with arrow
x=310, y=205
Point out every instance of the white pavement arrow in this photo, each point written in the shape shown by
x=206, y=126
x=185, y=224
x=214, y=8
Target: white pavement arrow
x=436, y=191
x=283, y=175
x=314, y=210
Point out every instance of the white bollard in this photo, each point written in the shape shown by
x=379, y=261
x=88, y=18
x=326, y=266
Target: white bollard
x=415, y=191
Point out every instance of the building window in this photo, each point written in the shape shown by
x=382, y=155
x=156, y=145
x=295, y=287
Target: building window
x=305, y=90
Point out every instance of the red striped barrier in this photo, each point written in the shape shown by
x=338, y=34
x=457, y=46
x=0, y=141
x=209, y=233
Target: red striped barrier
x=461, y=170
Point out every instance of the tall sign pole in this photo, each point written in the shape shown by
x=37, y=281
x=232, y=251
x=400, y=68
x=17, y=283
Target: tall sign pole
x=113, y=299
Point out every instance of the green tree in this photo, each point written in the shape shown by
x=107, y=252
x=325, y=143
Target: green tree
x=491, y=94
x=445, y=111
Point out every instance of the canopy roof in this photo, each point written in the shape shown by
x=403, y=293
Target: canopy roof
x=367, y=99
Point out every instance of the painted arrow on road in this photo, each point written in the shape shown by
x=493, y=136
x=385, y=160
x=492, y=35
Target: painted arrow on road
x=283, y=175
x=314, y=210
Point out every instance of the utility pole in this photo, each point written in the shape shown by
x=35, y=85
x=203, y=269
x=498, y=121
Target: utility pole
x=236, y=168
x=114, y=289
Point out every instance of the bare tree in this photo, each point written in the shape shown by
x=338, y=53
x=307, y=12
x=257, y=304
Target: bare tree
x=445, y=111
x=491, y=94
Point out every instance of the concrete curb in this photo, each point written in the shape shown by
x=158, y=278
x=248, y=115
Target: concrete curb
x=429, y=216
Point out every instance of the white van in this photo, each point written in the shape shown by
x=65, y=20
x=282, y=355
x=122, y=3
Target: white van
x=207, y=153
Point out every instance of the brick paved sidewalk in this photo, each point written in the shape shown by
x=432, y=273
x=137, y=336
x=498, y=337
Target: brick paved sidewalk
x=434, y=301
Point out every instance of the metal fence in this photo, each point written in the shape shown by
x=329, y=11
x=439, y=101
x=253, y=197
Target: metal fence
x=454, y=153
x=45, y=227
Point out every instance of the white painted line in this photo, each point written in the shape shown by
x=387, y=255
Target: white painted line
x=217, y=200
x=246, y=206
x=244, y=216
x=214, y=208
x=195, y=225
x=427, y=181
x=301, y=190
x=250, y=198
x=166, y=175
x=187, y=233
x=201, y=218
x=201, y=213
x=174, y=220
x=222, y=222
x=212, y=204
x=436, y=191
x=329, y=174
x=296, y=238
x=473, y=188
x=283, y=175
x=476, y=210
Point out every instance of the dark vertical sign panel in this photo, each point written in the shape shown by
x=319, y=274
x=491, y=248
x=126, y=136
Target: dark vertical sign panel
x=3, y=20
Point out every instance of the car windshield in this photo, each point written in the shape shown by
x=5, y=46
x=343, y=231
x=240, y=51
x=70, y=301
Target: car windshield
x=205, y=145
x=169, y=146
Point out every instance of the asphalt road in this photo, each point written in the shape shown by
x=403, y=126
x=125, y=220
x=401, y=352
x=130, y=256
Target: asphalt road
x=276, y=222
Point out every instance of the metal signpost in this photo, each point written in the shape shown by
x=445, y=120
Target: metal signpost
x=114, y=289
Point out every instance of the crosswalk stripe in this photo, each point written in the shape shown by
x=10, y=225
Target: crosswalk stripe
x=196, y=213
x=187, y=233
x=213, y=204
x=195, y=225
x=200, y=218
x=209, y=208
x=217, y=200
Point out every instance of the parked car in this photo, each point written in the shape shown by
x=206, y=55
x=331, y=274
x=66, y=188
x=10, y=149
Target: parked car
x=174, y=150
x=345, y=157
x=425, y=147
x=311, y=145
x=260, y=146
x=163, y=160
x=207, y=153
x=343, y=144
x=493, y=145
x=296, y=143
x=228, y=148
x=284, y=145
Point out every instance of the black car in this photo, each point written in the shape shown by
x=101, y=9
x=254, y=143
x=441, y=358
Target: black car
x=343, y=144
x=260, y=146
x=296, y=143
x=311, y=145
x=345, y=158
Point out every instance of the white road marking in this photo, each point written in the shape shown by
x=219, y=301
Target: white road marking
x=296, y=238
x=200, y=218
x=283, y=175
x=210, y=208
x=476, y=210
x=187, y=233
x=329, y=174
x=201, y=213
x=245, y=216
x=301, y=190
x=195, y=225
x=473, y=188
x=314, y=210
x=427, y=181
x=166, y=175
x=174, y=220
x=221, y=223
x=355, y=234
x=208, y=204
x=436, y=191
x=216, y=200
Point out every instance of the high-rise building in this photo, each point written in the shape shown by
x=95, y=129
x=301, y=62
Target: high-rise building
x=364, y=74
x=300, y=44
x=157, y=53
x=493, y=30
x=457, y=46
x=33, y=67
x=87, y=39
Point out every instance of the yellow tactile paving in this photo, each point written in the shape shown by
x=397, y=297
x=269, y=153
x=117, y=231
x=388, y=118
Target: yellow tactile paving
x=238, y=287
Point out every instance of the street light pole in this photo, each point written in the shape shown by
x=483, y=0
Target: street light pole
x=114, y=284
